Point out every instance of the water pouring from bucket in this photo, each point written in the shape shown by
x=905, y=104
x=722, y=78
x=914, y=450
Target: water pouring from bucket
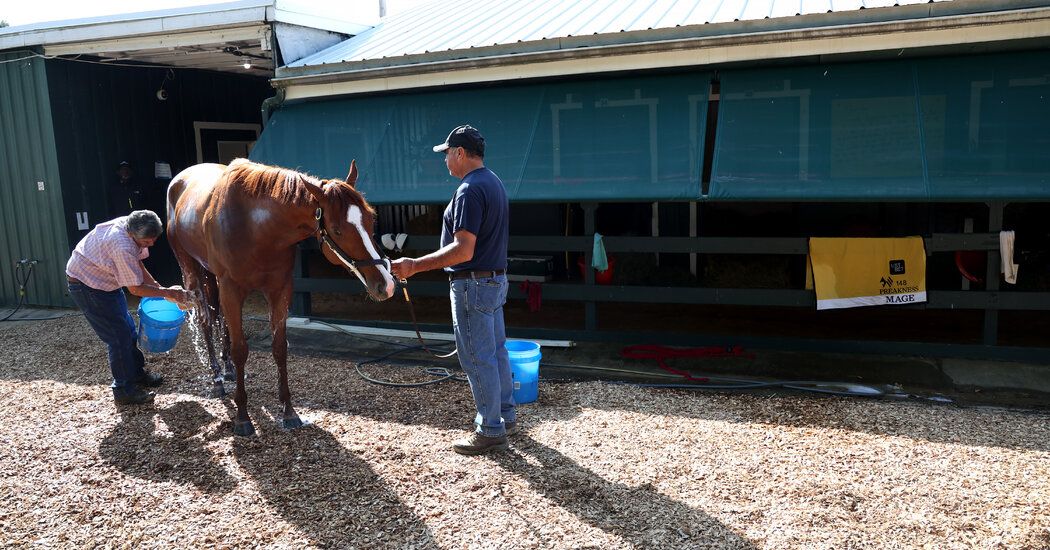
x=159, y=324
x=525, y=369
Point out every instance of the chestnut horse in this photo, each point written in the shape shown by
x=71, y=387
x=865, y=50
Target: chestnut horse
x=234, y=229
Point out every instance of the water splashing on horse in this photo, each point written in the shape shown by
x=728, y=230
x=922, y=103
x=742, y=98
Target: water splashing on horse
x=234, y=229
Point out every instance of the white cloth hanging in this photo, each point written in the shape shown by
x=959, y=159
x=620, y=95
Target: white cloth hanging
x=1006, y=254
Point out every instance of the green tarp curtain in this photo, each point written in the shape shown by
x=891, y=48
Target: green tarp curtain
x=964, y=128
x=930, y=129
x=611, y=139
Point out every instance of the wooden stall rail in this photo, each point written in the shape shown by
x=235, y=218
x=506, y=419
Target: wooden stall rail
x=990, y=300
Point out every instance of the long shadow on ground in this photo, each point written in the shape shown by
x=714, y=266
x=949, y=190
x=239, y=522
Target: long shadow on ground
x=612, y=507
x=305, y=475
x=136, y=448
x=319, y=486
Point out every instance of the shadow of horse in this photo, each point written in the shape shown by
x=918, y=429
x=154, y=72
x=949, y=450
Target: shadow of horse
x=322, y=488
x=604, y=504
x=137, y=448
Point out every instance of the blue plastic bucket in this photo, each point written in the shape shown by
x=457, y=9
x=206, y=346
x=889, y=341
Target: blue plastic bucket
x=525, y=369
x=159, y=324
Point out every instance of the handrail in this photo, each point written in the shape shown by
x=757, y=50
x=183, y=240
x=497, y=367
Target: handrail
x=937, y=242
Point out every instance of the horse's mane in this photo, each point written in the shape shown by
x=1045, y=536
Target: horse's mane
x=289, y=187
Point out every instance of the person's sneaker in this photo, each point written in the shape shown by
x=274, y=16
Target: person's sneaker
x=134, y=396
x=511, y=427
x=150, y=380
x=478, y=444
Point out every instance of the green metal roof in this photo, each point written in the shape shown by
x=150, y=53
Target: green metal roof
x=461, y=42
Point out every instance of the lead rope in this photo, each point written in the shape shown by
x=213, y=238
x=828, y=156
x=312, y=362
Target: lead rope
x=415, y=325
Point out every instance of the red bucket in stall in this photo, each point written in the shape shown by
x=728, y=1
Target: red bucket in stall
x=600, y=277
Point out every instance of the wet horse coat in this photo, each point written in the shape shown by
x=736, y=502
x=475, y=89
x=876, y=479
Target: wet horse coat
x=234, y=229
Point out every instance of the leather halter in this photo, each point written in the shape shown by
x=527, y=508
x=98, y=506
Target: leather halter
x=322, y=235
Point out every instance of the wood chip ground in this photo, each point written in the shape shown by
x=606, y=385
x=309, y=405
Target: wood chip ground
x=598, y=465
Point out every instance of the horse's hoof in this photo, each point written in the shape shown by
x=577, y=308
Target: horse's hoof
x=218, y=391
x=292, y=422
x=243, y=428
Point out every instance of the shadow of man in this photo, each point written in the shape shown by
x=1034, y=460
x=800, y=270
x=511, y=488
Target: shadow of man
x=137, y=448
x=323, y=489
x=614, y=507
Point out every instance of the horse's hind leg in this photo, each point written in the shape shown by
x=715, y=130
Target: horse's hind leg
x=279, y=301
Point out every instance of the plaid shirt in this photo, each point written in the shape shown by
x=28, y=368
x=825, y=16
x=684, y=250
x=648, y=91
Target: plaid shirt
x=107, y=258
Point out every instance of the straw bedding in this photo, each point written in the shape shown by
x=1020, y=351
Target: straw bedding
x=598, y=465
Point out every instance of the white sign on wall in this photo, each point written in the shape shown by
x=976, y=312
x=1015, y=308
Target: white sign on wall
x=162, y=170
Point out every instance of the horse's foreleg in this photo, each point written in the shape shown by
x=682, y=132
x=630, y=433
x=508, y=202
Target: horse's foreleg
x=231, y=369
x=231, y=300
x=279, y=302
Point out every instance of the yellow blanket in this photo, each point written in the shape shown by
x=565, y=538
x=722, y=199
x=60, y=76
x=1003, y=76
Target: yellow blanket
x=867, y=272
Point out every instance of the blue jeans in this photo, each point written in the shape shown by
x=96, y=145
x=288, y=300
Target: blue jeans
x=477, y=317
x=107, y=313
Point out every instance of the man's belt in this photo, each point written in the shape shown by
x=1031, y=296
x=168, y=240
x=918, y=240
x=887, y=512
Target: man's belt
x=467, y=274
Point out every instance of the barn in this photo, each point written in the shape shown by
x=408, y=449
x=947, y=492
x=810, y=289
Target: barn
x=708, y=143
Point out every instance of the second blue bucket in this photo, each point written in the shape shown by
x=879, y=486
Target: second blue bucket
x=525, y=369
x=159, y=324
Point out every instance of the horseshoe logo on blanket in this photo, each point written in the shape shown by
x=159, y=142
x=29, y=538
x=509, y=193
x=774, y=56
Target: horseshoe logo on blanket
x=866, y=272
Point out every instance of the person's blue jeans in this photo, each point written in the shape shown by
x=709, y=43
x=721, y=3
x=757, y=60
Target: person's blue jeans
x=477, y=317
x=107, y=313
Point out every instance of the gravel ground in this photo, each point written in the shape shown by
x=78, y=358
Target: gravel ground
x=598, y=465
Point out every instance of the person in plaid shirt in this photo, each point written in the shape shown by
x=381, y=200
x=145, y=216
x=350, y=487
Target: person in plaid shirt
x=105, y=261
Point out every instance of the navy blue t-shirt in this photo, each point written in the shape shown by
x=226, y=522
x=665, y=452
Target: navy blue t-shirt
x=480, y=206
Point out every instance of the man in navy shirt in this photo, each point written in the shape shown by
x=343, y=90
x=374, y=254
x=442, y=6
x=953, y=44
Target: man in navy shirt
x=473, y=252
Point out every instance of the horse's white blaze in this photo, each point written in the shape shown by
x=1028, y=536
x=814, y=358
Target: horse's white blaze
x=353, y=217
x=351, y=267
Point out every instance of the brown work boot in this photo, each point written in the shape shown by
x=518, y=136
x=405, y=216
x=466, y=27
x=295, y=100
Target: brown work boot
x=478, y=444
x=511, y=427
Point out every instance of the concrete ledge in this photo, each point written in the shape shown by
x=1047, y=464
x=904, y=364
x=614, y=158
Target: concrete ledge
x=997, y=375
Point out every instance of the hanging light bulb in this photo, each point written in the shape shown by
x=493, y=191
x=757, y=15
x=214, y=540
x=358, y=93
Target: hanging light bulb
x=247, y=64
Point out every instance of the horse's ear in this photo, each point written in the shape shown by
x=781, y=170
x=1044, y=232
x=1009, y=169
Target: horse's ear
x=351, y=178
x=314, y=189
